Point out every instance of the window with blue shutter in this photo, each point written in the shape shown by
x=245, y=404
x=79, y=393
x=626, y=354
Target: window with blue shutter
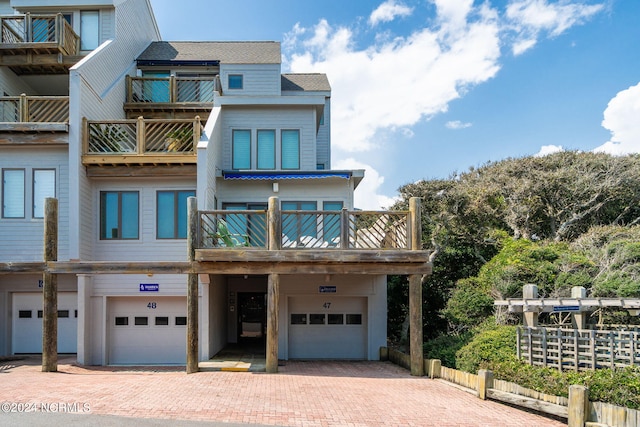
x=290, y=149
x=266, y=149
x=241, y=149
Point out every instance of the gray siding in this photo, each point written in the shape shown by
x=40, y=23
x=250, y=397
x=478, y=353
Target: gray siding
x=12, y=84
x=302, y=118
x=22, y=239
x=97, y=91
x=323, y=145
x=262, y=79
x=147, y=247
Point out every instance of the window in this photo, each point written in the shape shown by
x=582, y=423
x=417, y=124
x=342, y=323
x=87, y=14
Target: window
x=122, y=321
x=118, y=215
x=63, y=313
x=316, y=319
x=298, y=319
x=141, y=321
x=172, y=214
x=295, y=226
x=44, y=185
x=89, y=29
x=181, y=320
x=235, y=81
x=241, y=149
x=162, y=321
x=290, y=149
x=245, y=229
x=13, y=193
x=24, y=314
x=335, y=319
x=266, y=149
x=354, y=319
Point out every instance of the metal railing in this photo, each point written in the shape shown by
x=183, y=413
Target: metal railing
x=574, y=349
x=196, y=90
x=306, y=229
x=141, y=136
x=34, y=109
x=39, y=29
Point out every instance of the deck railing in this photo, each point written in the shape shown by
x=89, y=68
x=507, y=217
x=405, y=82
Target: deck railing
x=306, y=229
x=574, y=349
x=141, y=137
x=196, y=90
x=34, y=109
x=39, y=29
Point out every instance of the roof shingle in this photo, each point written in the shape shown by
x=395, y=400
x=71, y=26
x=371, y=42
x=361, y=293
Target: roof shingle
x=248, y=52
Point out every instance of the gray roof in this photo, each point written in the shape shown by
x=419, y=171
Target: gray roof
x=306, y=82
x=261, y=52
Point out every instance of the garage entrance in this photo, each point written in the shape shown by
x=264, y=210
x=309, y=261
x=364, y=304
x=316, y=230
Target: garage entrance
x=147, y=330
x=327, y=327
x=26, y=321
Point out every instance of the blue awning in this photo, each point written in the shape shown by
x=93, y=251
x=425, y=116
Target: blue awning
x=274, y=176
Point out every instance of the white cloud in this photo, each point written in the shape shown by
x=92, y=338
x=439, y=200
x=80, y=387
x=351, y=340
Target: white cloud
x=388, y=11
x=529, y=18
x=367, y=196
x=457, y=124
x=548, y=149
x=396, y=84
x=621, y=119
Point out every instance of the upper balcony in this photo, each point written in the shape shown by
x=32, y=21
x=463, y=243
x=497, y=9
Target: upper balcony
x=170, y=97
x=34, y=119
x=141, y=142
x=38, y=44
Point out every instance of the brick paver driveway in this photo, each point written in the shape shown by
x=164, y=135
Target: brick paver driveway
x=301, y=394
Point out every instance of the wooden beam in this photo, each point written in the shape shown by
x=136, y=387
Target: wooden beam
x=273, y=292
x=137, y=159
x=107, y=170
x=211, y=267
x=192, y=288
x=36, y=127
x=7, y=137
x=50, y=289
x=313, y=256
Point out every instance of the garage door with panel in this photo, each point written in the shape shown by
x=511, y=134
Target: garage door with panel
x=327, y=327
x=147, y=330
x=26, y=333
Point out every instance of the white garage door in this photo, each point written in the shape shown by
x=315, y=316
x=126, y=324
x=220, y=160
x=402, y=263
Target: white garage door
x=27, y=323
x=147, y=330
x=332, y=327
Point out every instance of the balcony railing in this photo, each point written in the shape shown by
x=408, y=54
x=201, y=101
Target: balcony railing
x=34, y=109
x=306, y=229
x=122, y=141
x=194, y=90
x=50, y=30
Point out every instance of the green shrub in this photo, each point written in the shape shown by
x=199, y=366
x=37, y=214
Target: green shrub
x=491, y=343
x=445, y=347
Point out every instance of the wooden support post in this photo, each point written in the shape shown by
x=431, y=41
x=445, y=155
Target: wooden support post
x=141, y=136
x=192, y=288
x=274, y=232
x=435, y=368
x=344, y=229
x=415, y=294
x=415, y=325
x=273, y=292
x=50, y=289
x=485, y=382
x=530, y=317
x=579, y=319
x=578, y=406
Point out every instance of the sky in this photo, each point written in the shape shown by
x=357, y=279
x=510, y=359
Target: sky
x=426, y=89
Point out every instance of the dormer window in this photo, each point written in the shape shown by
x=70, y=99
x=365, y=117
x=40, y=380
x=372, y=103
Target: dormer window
x=235, y=81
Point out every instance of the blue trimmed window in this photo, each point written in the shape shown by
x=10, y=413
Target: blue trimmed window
x=266, y=149
x=235, y=81
x=119, y=215
x=241, y=149
x=290, y=149
x=172, y=214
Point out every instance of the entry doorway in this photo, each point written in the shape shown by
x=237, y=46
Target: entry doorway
x=252, y=320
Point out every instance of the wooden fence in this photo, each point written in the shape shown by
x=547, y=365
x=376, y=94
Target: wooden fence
x=573, y=349
x=576, y=408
